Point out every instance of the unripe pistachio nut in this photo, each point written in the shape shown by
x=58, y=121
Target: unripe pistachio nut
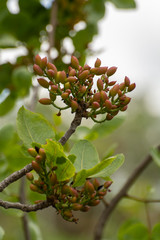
x=61, y=76
x=131, y=87
x=45, y=101
x=97, y=63
x=37, y=70
x=126, y=81
x=100, y=84
x=74, y=62
x=83, y=75
x=29, y=176
x=111, y=71
x=32, y=152
x=95, y=105
x=43, y=82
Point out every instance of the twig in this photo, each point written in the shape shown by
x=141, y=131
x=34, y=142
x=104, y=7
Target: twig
x=143, y=200
x=15, y=176
x=75, y=123
x=25, y=207
x=22, y=199
x=107, y=212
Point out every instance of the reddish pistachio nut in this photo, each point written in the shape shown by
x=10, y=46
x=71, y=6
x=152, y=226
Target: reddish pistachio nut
x=95, y=105
x=114, y=90
x=34, y=188
x=131, y=87
x=86, y=67
x=36, y=166
x=106, y=79
x=52, y=96
x=54, y=88
x=65, y=95
x=68, y=91
x=82, y=89
x=103, y=96
x=89, y=187
x=100, y=84
x=111, y=83
x=73, y=199
x=53, y=179
x=97, y=63
x=61, y=76
x=74, y=62
x=120, y=93
x=43, y=62
x=45, y=101
x=77, y=206
x=52, y=66
x=72, y=72
x=32, y=152
x=85, y=208
x=74, y=105
x=109, y=117
x=111, y=71
x=83, y=75
x=99, y=70
x=122, y=86
x=126, y=101
x=68, y=213
x=97, y=97
x=126, y=81
x=42, y=153
x=38, y=60
x=124, y=108
x=96, y=183
x=93, y=195
x=102, y=193
x=29, y=176
x=108, y=104
x=107, y=184
x=37, y=70
x=65, y=189
x=38, y=159
x=73, y=192
x=51, y=73
x=71, y=79
x=43, y=82
x=94, y=202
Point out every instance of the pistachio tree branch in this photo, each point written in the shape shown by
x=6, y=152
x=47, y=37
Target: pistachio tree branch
x=15, y=176
x=142, y=200
x=122, y=193
x=75, y=123
x=25, y=207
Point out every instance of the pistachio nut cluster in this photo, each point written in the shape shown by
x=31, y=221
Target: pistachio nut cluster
x=65, y=198
x=77, y=91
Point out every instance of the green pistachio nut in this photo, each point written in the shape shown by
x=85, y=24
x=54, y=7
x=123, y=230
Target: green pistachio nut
x=32, y=152
x=45, y=101
x=29, y=176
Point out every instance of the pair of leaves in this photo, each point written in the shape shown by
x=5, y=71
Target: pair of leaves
x=88, y=164
x=134, y=229
x=33, y=128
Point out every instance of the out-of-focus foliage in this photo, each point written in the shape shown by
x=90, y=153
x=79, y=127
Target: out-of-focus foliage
x=31, y=26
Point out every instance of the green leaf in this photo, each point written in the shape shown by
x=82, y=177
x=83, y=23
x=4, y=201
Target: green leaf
x=8, y=41
x=56, y=157
x=72, y=158
x=1, y=233
x=123, y=3
x=80, y=178
x=116, y=162
x=32, y=127
x=156, y=156
x=156, y=232
x=132, y=230
x=7, y=104
x=6, y=135
x=104, y=129
x=86, y=155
